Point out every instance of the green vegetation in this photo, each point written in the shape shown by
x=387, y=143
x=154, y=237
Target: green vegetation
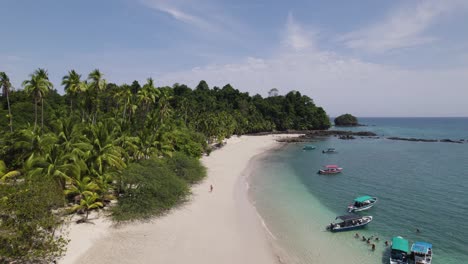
x=149, y=188
x=346, y=120
x=139, y=144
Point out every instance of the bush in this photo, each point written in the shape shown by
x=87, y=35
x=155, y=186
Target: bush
x=149, y=188
x=187, y=168
x=27, y=224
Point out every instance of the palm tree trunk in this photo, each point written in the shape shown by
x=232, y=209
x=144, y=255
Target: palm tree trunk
x=9, y=112
x=35, y=113
x=42, y=113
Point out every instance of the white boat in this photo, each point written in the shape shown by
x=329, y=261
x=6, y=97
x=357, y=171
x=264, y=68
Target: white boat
x=329, y=151
x=362, y=203
x=330, y=169
x=422, y=252
x=349, y=222
x=399, y=251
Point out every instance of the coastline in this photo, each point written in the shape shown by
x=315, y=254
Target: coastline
x=222, y=226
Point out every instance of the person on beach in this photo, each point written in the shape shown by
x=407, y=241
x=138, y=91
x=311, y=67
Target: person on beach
x=373, y=247
x=368, y=241
x=211, y=187
x=363, y=238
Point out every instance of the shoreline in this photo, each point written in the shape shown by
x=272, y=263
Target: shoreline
x=222, y=226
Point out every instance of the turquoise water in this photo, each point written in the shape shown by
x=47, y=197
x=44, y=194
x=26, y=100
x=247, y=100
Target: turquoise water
x=419, y=185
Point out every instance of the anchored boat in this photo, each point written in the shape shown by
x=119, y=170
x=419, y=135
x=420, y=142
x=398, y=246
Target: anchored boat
x=422, y=252
x=362, y=203
x=399, y=251
x=349, y=222
x=329, y=151
x=309, y=147
x=330, y=169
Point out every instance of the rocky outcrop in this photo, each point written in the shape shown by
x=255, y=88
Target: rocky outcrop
x=426, y=140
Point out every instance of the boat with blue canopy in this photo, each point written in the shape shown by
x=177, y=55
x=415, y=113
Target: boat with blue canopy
x=349, y=222
x=422, y=252
x=362, y=203
x=309, y=147
x=399, y=251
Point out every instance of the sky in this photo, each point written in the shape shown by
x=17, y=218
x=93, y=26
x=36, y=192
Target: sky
x=369, y=58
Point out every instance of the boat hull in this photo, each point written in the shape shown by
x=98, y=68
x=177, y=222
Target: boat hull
x=329, y=172
x=393, y=261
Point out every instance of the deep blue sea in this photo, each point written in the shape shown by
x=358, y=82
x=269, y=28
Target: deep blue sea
x=420, y=185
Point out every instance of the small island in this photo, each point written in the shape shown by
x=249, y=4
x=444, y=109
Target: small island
x=346, y=120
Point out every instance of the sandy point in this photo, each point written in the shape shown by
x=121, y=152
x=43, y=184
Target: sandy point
x=216, y=226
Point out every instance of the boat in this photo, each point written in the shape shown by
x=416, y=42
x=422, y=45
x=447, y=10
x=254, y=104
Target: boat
x=399, y=251
x=309, y=147
x=422, y=252
x=329, y=151
x=362, y=203
x=349, y=222
x=330, y=169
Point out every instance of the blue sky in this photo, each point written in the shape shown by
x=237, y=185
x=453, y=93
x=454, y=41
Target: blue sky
x=369, y=58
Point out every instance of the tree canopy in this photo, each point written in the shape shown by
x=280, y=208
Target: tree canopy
x=139, y=144
x=346, y=120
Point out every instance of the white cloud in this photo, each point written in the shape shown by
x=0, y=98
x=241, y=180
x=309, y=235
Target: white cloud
x=340, y=84
x=296, y=37
x=172, y=9
x=405, y=27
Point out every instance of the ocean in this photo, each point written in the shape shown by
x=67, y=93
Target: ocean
x=420, y=185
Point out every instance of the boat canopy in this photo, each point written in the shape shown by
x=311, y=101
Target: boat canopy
x=309, y=147
x=399, y=243
x=349, y=217
x=364, y=198
x=331, y=166
x=421, y=247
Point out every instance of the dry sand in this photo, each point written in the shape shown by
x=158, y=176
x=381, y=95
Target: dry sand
x=214, y=227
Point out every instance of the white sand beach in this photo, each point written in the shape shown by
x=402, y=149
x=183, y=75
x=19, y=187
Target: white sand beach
x=214, y=227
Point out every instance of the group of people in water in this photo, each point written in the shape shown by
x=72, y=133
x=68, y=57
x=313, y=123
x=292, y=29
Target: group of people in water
x=369, y=239
x=372, y=238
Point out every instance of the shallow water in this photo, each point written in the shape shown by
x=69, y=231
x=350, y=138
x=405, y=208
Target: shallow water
x=419, y=185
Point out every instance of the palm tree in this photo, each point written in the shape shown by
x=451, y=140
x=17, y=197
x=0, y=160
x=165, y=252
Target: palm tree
x=124, y=95
x=87, y=203
x=6, y=86
x=5, y=174
x=147, y=96
x=164, y=106
x=39, y=85
x=73, y=85
x=81, y=185
x=96, y=85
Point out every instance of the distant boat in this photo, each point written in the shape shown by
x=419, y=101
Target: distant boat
x=330, y=169
x=309, y=147
x=362, y=203
x=329, y=151
x=422, y=252
x=399, y=251
x=349, y=222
